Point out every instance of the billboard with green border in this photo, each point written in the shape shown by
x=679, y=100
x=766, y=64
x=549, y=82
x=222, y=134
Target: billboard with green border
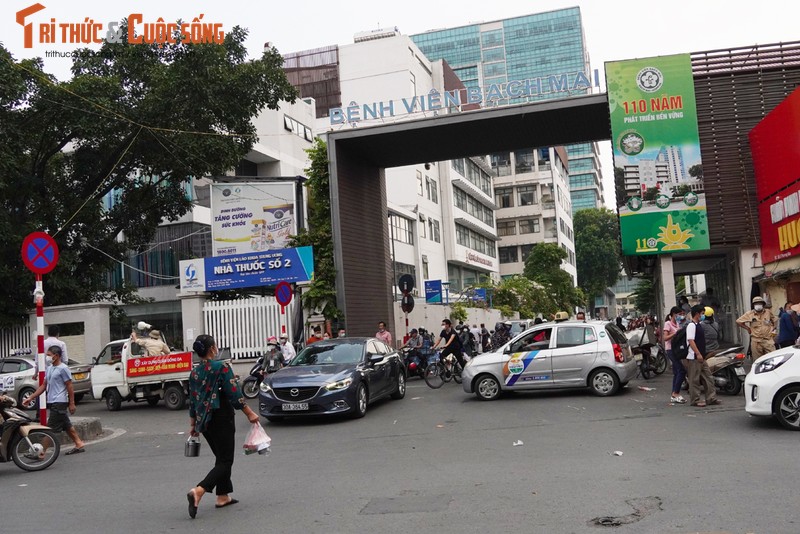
x=657, y=168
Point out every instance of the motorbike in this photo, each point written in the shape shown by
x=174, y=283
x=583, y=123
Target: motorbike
x=33, y=447
x=416, y=361
x=252, y=383
x=650, y=356
x=728, y=370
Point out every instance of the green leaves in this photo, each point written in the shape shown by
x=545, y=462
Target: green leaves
x=138, y=120
x=597, y=249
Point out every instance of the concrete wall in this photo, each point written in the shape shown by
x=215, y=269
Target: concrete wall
x=429, y=316
x=96, y=327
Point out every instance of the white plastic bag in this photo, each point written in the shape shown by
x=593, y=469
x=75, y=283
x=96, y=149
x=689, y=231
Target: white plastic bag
x=257, y=440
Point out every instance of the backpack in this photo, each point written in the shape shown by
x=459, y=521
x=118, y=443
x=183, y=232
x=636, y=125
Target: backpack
x=680, y=347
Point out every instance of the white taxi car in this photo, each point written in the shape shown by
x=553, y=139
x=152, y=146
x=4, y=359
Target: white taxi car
x=772, y=387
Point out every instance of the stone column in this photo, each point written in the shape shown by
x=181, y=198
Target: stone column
x=192, y=312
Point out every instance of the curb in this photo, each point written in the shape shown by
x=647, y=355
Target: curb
x=88, y=428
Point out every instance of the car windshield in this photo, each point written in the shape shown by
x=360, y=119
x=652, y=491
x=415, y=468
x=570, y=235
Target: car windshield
x=323, y=354
x=517, y=328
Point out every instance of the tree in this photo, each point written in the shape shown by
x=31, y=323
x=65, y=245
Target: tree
x=134, y=120
x=322, y=292
x=650, y=194
x=520, y=294
x=597, y=250
x=682, y=190
x=543, y=266
x=644, y=296
x=696, y=171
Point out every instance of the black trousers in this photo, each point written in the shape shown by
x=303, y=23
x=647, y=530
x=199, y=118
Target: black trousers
x=220, y=435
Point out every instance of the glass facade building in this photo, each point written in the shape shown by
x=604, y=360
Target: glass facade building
x=530, y=47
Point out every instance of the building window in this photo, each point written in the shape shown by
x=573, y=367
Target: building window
x=507, y=254
x=529, y=226
x=505, y=228
x=431, y=190
x=458, y=165
x=402, y=229
x=425, y=274
x=477, y=242
x=504, y=198
x=501, y=163
x=523, y=160
x=526, y=251
x=420, y=189
x=433, y=230
x=527, y=195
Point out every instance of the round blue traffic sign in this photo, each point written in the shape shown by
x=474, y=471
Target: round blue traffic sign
x=283, y=293
x=39, y=252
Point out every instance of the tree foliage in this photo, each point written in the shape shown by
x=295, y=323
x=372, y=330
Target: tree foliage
x=696, y=171
x=543, y=267
x=597, y=249
x=136, y=120
x=322, y=292
x=644, y=296
x=650, y=194
x=521, y=294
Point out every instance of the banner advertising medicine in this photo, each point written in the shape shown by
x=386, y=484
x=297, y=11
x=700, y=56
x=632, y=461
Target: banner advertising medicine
x=252, y=217
x=656, y=146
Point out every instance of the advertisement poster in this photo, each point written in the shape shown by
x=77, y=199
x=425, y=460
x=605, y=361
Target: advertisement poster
x=252, y=217
x=657, y=167
x=775, y=144
x=292, y=265
x=159, y=365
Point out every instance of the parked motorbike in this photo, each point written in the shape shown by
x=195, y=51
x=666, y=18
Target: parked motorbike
x=31, y=446
x=252, y=383
x=650, y=356
x=728, y=370
x=416, y=361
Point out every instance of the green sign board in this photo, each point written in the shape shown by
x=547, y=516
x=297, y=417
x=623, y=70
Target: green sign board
x=657, y=155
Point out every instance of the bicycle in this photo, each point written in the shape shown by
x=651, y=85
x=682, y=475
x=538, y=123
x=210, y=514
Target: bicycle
x=440, y=371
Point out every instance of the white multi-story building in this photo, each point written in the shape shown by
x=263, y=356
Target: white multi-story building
x=441, y=213
x=532, y=193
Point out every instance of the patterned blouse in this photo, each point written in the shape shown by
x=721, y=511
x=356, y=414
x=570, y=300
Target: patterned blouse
x=210, y=379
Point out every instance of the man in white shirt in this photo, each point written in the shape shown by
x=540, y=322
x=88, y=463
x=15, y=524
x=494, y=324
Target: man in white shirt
x=52, y=339
x=287, y=349
x=697, y=371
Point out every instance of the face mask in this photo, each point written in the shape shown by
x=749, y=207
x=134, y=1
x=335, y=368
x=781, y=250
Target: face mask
x=703, y=317
x=680, y=319
x=341, y=334
x=48, y=360
x=758, y=307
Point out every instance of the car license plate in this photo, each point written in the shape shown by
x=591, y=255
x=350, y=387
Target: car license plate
x=79, y=376
x=740, y=371
x=295, y=407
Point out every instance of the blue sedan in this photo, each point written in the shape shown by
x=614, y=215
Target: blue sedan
x=336, y=376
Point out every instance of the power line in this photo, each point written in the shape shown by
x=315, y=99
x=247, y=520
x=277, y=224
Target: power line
x=131, y=267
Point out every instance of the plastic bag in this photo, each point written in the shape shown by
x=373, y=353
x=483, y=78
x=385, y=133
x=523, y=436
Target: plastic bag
x=257, y=440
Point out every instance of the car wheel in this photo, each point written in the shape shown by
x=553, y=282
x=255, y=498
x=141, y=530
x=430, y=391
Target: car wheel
x=174, y=397
x=113, y=400
x=487, y=387
x=400, y=391
x=360, y=409
x=273, y=418
x=604, y=382
x=24, y=393
x=787, y=408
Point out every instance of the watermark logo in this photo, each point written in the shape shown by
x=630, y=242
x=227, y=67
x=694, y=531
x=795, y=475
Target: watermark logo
x=139, y=31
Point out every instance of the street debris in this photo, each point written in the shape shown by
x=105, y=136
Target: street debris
x=517, y=443
x=416, y=398
x=617, y=453
x=645, y=388
x=439, y=426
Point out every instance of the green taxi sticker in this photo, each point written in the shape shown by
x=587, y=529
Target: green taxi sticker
x=515, y=366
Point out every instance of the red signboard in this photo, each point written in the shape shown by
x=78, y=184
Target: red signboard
x=180, y=362
x=775, y=145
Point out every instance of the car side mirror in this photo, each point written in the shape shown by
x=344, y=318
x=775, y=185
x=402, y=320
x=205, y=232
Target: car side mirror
x=507, y=350
x=375, y=358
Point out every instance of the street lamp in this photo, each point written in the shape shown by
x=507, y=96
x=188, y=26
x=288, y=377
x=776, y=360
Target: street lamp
x=446, y=286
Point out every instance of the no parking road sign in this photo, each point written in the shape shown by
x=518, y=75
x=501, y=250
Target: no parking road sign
x=39, y=253
x=283, y=293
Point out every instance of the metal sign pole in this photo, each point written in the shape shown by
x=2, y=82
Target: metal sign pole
x=38, y=298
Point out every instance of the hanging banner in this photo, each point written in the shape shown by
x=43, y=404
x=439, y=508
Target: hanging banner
x=656, y=146
x=292, y=265
x=252, y=217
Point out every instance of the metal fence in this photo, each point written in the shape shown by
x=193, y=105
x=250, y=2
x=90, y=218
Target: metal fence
x=245, y=324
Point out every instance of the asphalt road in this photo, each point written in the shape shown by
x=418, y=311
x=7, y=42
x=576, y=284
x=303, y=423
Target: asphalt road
x=437, y=461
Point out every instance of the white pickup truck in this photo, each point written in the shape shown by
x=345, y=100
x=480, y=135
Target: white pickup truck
x=123, y=373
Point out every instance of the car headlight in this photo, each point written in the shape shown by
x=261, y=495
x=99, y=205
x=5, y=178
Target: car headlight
x=265, y=388
x=770, y=364
x=340, y=384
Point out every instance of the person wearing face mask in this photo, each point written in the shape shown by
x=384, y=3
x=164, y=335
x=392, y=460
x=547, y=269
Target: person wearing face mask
x=671, y=328
x=60, y=397
x=287, y=349
x=760, y=323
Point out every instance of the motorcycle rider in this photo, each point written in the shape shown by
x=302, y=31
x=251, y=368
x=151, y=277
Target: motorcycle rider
x=273, y=357
x=760, y=323
x=500, y=337
x=414, y=344
x=287, y=349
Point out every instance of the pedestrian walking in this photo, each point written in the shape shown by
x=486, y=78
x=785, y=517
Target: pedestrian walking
x=678, y=372
x=760, y=323
x=60, y=397
x=287, y=349
x=213, y=395
x=696, y=367
x=788, y=331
